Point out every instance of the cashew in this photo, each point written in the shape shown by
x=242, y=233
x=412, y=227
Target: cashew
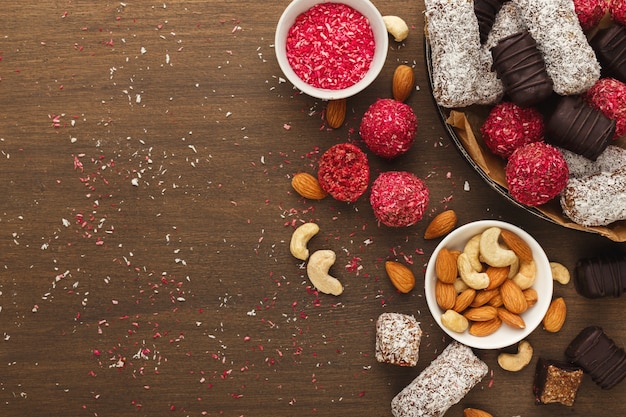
x=317, y=270
x=454, y=321
x=472, y=249
x=459, y=285
x=525, y=278
x=492, y=252
x=514, y=362
x=300, y=238
x=473, y=279
x=396, y=27
x=559, y=273
x=514, y=268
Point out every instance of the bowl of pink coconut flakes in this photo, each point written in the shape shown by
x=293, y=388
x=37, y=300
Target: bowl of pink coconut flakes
x=331, y=49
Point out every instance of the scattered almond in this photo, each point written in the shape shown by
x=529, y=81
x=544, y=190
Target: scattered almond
x=445, y=295
x=511, y=319
x=485, y=328
x=336, y=112
x=475, y=412
x=446, y=266
x=555, y=316
x=400, y=276
x=441, y=224
x=513, y=297
x=403, y=82
x=517, y=245
x=308, y=186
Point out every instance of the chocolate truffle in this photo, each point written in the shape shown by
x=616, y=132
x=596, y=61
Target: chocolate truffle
x=578, y=127
x=610, y=47
x=388, y=128
x=520, y=66
x=601, y=276
x=599, y=356
x=486, y=11
x=556, y=382
x=344, y=172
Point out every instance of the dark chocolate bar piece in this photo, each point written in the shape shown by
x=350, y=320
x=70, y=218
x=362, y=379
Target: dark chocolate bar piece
x=600, y=277
x=486, y=11
x=610, y=47
x=556, y=382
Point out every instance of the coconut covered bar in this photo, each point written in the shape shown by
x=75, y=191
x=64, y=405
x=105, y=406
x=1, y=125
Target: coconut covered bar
x=441, y=384
x=398, y=338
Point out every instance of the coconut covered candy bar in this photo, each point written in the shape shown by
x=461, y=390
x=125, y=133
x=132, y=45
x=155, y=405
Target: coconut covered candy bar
x=441, y=384
x=398, y=338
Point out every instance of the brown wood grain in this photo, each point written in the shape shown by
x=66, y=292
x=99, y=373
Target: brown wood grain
x=146, y=152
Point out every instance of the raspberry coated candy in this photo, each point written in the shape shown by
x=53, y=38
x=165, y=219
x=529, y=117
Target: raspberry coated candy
x=609, y=96
x=399, y=198
x=590, y=12
x=344, y=172
x=536, y=173
x=509, y=126
x=388, y=128
x=617, y=10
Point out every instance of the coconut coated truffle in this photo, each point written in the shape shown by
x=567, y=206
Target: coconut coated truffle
x=344, y=172
x=388, y=128
x=609, y=96
x=399, y=198
x=509, y=126
x=536, y=173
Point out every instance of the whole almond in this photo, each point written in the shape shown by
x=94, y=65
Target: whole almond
x=441, y=224
x=464, y=300
x=531, y=296
x=484, y=313
x=497, y=275
x=445, y=295
x=517, y=245
x=308, y=186
x=336, y=112
x=483, y=297
x=446, y=266
x=403, y=82
x=513, y=297
x=475, y=412
x=555, y=316
x=496, y=300
x=485, y=328
x=511, y=319
x=400, y=276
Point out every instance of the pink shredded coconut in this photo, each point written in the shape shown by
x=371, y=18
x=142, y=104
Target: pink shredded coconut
x=344, y=172
x=330, y=46
x=388, y=128
x=609, y=96
x=617, y=9
x=399, y=198
x=590, y=12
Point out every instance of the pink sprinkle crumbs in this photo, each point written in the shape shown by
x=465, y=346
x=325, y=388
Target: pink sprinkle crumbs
x=331, y=46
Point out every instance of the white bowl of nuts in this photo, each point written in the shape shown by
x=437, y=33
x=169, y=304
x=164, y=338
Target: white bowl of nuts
x=331, y=49
x=488, y=284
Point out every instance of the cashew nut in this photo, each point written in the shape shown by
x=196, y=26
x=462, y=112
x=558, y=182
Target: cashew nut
x=514, y=268
x=317, y=270
x=454, y=321
x=396, y=27
x=473, y=279
x=514, y=362
x=492, y=252
x=525, y=277
x=559, y=273
x=300, y=238
x=459, y=285
x=472, y=249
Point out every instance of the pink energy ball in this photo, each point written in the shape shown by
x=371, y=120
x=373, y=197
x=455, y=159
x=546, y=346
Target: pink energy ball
x=399, y=198
x=344, y=172
x=590, y=12
x=617, y=9
x=536, y=173
x=609, y=96
x=509, y=126
x=388, y=128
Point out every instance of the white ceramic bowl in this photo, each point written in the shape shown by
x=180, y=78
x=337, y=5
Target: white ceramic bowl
x=505, y=335
x=381, y=39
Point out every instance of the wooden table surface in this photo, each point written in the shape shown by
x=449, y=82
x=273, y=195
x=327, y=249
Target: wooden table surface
x=146, y=152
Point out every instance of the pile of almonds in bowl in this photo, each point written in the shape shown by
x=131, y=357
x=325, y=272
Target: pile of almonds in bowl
x=488, y=284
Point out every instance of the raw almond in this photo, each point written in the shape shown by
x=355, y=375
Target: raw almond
x=441, y=224
x=483, y=297
x=336, y=112
x=555, y=316
x=497, y=275
x=484, y=313
x=308, y=186
x=517, y=245
x=485, y=328
x=531, y=296
x=496, y=300
x=446, y=266
x=513, y=297
x=445, y=295
x=403, y=82
x=475, y=412
x=464, y=300
x=400, y=276
x=514, y=320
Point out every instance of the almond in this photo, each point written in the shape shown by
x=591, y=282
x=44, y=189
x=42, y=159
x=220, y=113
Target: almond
x=400, y=276
x=445, y=295
x=555, y=316
x=403, y=82
x=485, y=328
x=441, y=224
x=517, y=245
x=531, y=296
x=483, y=297
x=513, y=297
x=496, y=300
x=336, y=112
x=446, y=266
x=511, y=319
x=308, y=186
x=475, y=412
x=464, y=300
x=497, y=275
x=484, y=313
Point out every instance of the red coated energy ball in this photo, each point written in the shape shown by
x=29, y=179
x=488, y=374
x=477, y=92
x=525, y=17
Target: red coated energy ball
x=536, y=173
x=590, y=12
x=609, y=96
x=509, y=126
x=388, y=128
x=399, y=198
x=617, y=9
x=344, y=172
